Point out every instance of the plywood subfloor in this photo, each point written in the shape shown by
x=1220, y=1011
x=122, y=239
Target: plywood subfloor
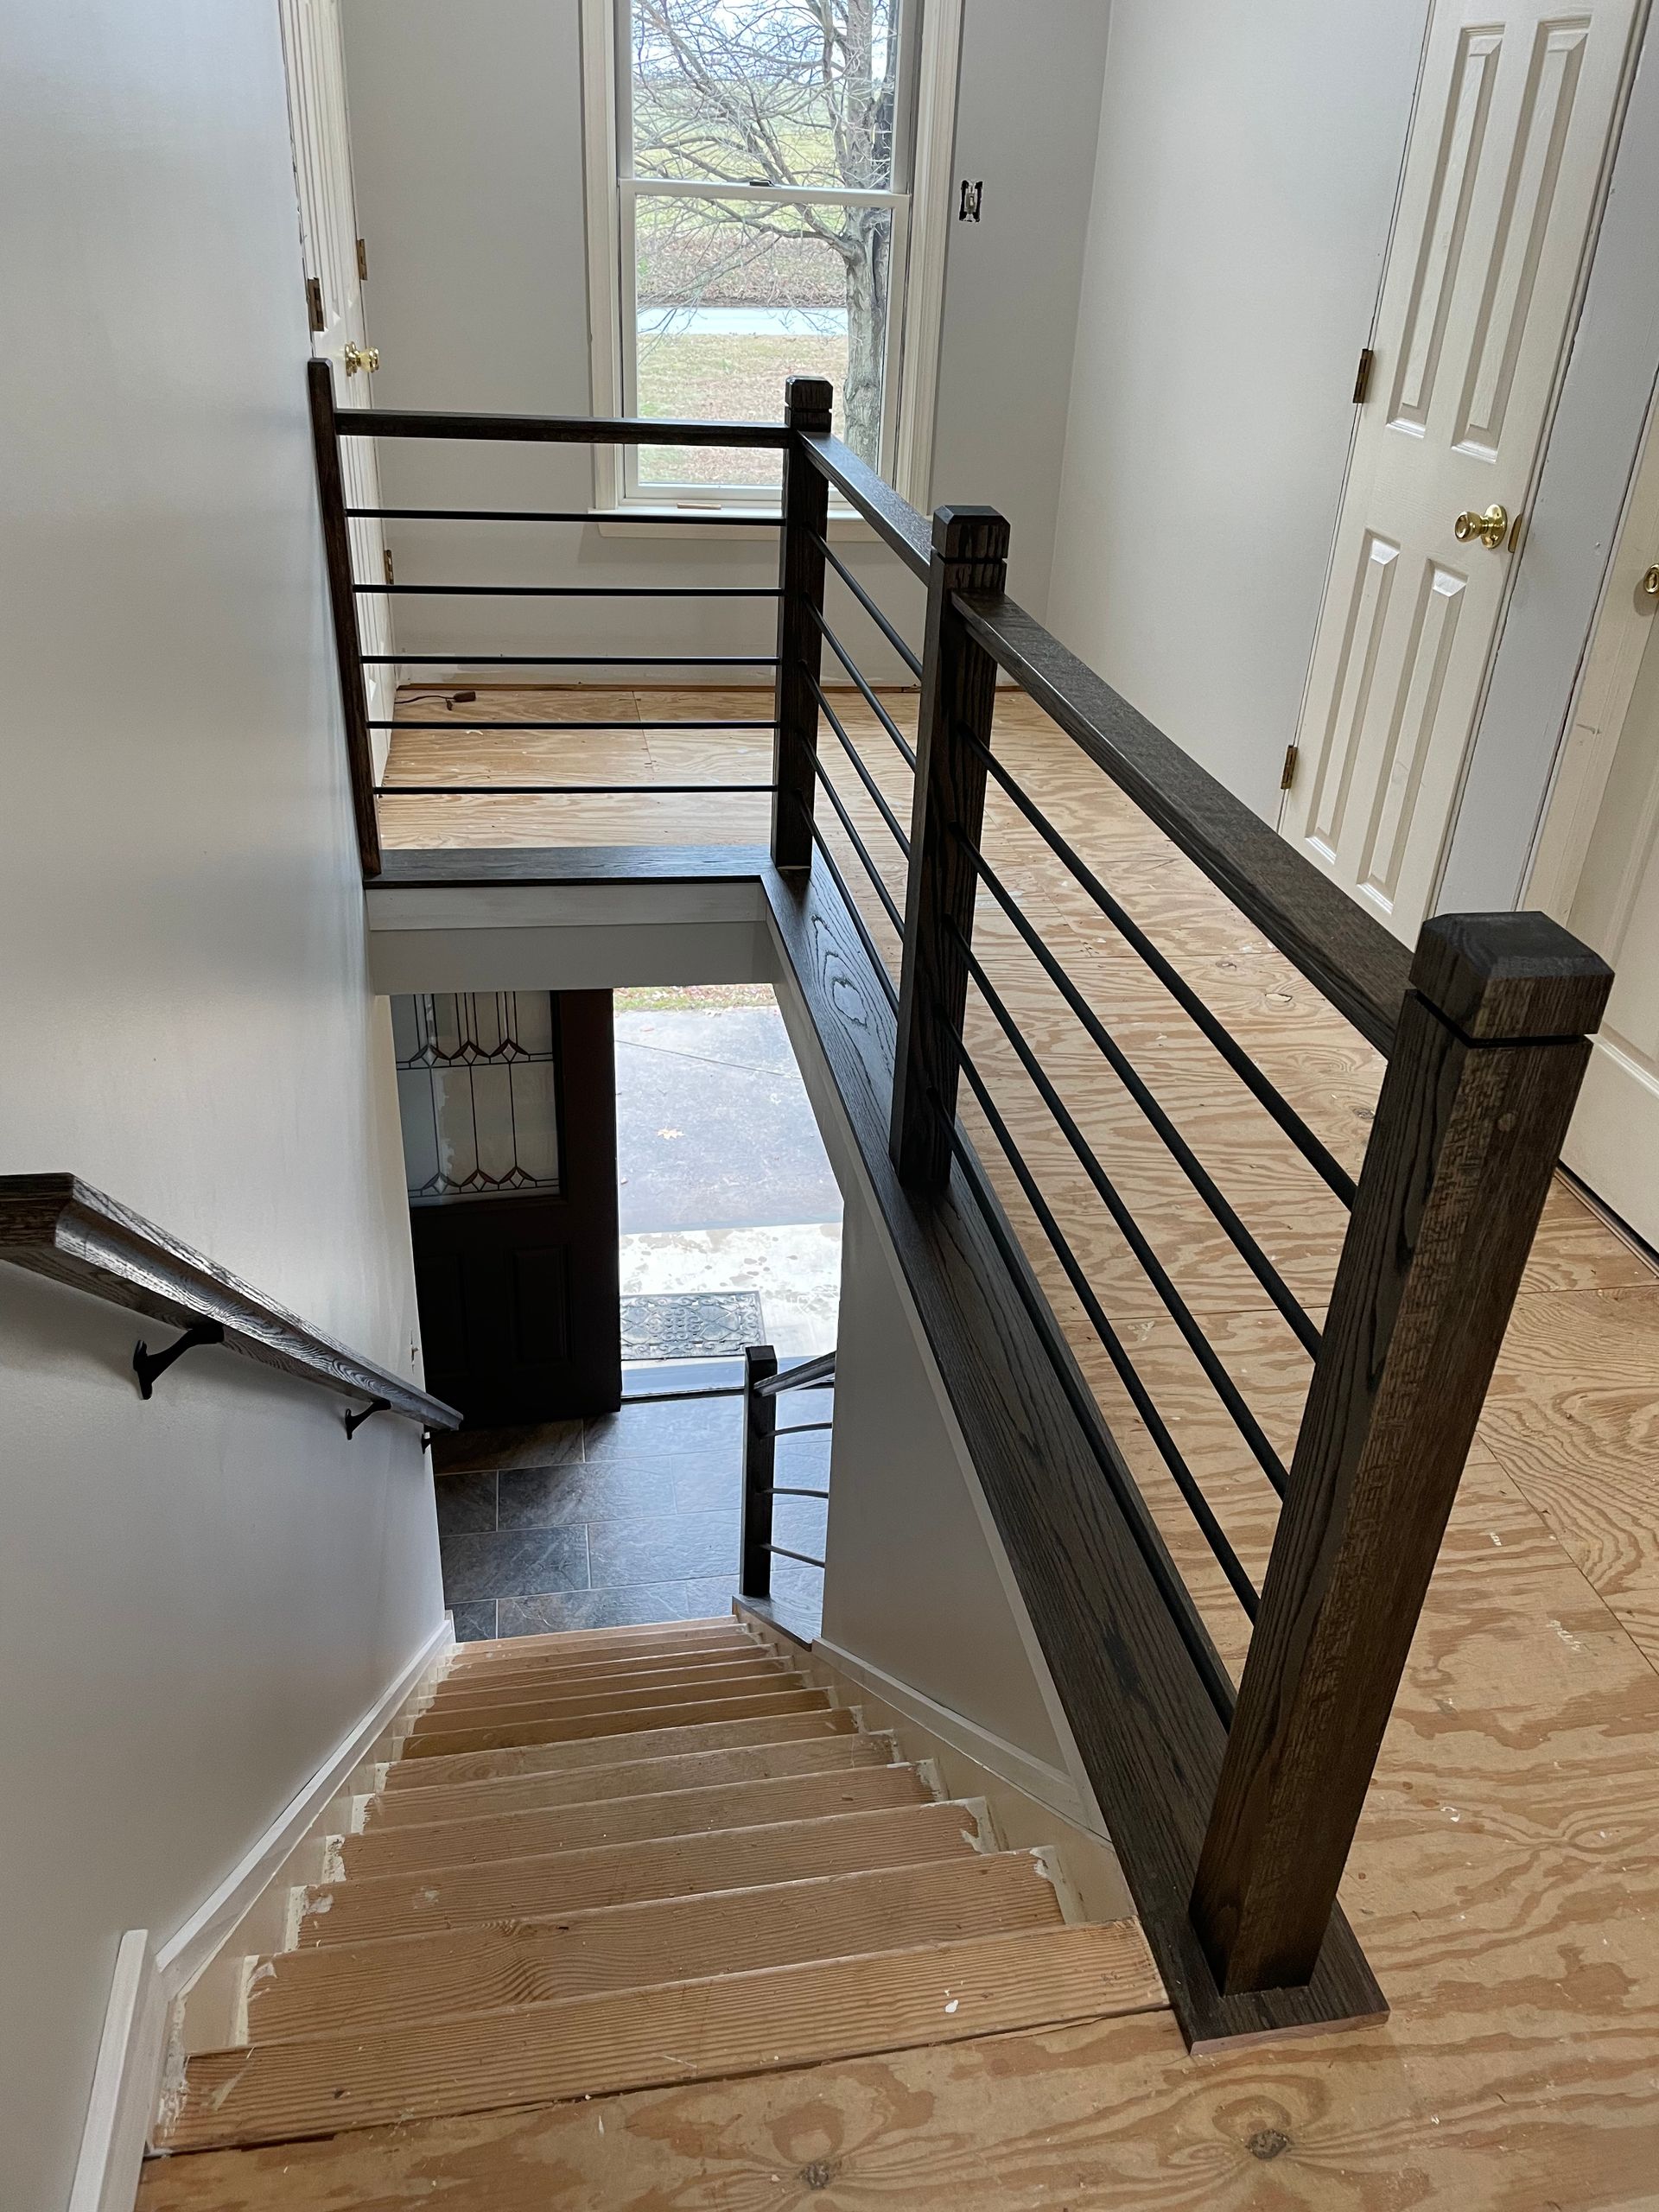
x=1505, y=1881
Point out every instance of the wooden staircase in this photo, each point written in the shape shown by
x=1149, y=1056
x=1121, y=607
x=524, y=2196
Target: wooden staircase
x=609, y=1860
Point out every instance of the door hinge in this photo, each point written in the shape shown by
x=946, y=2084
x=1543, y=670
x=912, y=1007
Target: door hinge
x=1287, y=773
x=386, y=556
x=1363, y=375
x=362, y=263
x=314, y=302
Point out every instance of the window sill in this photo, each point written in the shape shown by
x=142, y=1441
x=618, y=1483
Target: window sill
x=638, y=521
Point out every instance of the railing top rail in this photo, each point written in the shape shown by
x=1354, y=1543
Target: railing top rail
x=1349, y=955
x=59, y=1227
x=892, y=517
x=815, y=1372
x=553, y=429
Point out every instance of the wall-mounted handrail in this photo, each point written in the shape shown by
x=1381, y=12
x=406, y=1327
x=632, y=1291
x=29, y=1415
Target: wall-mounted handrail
x=59, y=1227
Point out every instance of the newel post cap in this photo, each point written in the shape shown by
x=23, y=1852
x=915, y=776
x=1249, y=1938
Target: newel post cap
x=1508, y=978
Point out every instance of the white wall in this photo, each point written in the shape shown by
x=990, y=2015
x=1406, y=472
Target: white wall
x=466, y=144
x=198, y=1596
x=1248, y=159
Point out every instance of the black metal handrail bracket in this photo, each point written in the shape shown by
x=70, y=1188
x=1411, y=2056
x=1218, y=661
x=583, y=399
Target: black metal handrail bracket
x=59, y=1227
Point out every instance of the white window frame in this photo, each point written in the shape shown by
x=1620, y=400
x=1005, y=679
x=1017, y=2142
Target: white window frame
x=920, y=228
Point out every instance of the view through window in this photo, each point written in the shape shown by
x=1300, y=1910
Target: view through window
x=764, y=151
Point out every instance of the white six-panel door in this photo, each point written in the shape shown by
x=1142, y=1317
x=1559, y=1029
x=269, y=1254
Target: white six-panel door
x=316, y=63
x=1500, y=192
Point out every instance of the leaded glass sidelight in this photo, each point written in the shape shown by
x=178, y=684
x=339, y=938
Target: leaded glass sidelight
x=478, y=1092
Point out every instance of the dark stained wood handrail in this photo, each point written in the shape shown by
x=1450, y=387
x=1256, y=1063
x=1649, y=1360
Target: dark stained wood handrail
x=554, y=430
x=59, y=1227
x=889, y=514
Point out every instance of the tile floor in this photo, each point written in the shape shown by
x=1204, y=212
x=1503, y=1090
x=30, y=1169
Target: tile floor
x=609, y=1524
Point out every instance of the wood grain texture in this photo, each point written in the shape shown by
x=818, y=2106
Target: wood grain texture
x=633, y=1778
x=675, y=1708
x=334, y=1988
x=732, y=2023
x=589, y=1646
x=59, y=1227
x=575, y=1881
x=554, y=429
x=519, y=1701
x=575, y=1754
x=725, y=1806
x=467, y=1694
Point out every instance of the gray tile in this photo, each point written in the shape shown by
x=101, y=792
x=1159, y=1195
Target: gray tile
x=639, y=1607
x=680, y=1547
x=513, y=1563
x=606, y=1489
x=800, y=1524
x=796, y=1586
x=547, y=1444
x=708, y=1486
x=466, y=1503
x=703, y=1428
x=708, y=1596
x=475, y=1621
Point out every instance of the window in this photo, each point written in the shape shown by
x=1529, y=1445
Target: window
x=756, y=171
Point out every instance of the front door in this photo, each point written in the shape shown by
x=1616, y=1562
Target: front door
x=1597, y=867
x=1509, y=141
x=508, y=1102
x=334, y=260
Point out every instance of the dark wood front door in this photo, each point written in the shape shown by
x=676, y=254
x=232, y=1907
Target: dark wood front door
x=519, y=1300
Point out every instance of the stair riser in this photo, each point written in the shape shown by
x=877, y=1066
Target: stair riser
x=575, y=1881
x=604, y=1697
x=606, y=1643
x=633, y=1820
x=568, y=1681
x=673, y=1741
x=338, y=1989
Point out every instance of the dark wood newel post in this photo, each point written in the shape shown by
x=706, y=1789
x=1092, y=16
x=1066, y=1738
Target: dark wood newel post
x=807, y=406
x=970, y=554
x=760, y=1471
x=342, y=603
x=1490, y=1050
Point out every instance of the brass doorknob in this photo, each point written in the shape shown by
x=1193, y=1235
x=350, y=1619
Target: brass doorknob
x=1650, y=582
x=1491, y=528
x=361, y=357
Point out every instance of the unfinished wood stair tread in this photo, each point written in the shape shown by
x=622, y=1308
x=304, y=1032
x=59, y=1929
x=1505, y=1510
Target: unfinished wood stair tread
x=668, y=1740
x=619, y=1674
x=679, y=2031
x=629, y=1820
x=629, y=1778
x=330, y=1988
x=740, y=1704
x=606, y=1697
x=567, y=1881
x=569, y=1643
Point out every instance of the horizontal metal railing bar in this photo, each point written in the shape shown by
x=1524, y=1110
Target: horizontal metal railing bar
x=804, y=1428
x=882, y=976
x=892, y=518
x=861, y=681
x=569, y=790
x=1129, y=1076
x=1143, y=1529
x=554, y=430
x=1203, y=1351
x=569, y=660
x=1168, y=1451
x=690, y=516
x=463, y=728
x=1316, y=1154
x=782, y=1550
x=890, y=906
x=1343, y=952
x=777, y=1491
x=812, y=1374
x=864, y=775
x=569, y=591
x=868, y=605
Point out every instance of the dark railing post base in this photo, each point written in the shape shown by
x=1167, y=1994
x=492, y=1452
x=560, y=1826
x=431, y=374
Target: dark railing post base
x=1492, y=1044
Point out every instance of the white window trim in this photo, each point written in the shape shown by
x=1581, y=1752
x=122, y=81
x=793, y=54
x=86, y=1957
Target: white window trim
x=908, y=441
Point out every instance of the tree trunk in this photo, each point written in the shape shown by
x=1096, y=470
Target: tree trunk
x=868, y=241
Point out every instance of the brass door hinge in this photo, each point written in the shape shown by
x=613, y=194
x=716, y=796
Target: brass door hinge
x=386, y=556
x=1363, y=375
x=1287, y=773
x=314, y=302
x=362, y=263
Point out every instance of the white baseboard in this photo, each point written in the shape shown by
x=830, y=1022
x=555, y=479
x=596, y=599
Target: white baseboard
x=149, y=1980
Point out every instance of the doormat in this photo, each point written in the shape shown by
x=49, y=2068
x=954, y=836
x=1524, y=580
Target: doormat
x=691, y=1324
